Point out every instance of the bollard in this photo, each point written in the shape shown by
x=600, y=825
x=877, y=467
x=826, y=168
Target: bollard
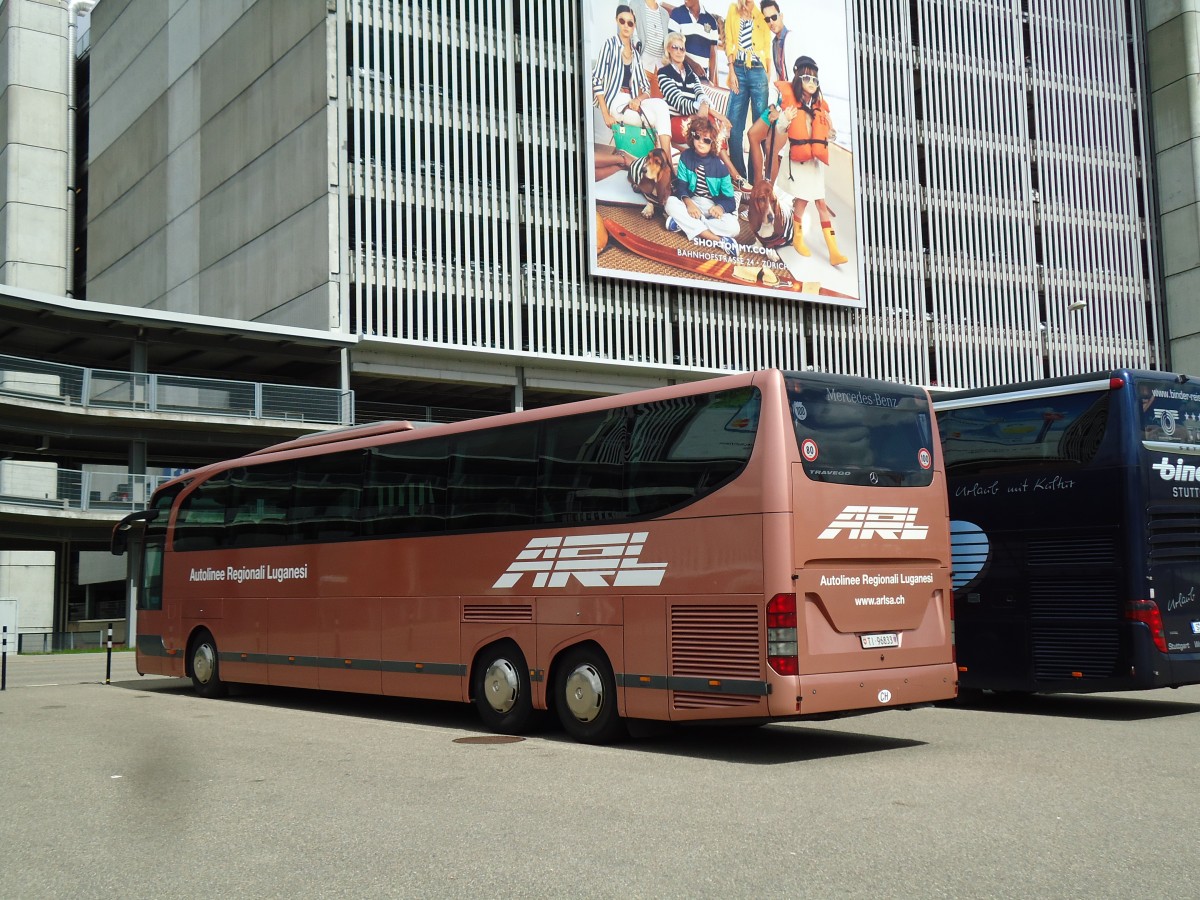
x=4, y=658
x=108, y=669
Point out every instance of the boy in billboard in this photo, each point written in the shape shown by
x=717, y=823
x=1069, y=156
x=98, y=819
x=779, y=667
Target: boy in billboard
x=702, y=203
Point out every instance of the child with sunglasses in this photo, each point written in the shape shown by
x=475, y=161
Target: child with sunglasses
x=702, y=203
x=800, y=151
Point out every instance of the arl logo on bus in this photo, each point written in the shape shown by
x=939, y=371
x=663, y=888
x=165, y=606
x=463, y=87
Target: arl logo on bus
x=867, y=522
x=593, y=560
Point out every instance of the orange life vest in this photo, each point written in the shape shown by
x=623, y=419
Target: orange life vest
x=810, y=129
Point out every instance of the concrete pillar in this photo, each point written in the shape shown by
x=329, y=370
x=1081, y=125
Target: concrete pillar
x=1173, y=64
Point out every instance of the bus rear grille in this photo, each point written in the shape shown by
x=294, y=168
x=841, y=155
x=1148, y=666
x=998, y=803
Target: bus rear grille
x=686, y=700
x=1173, y=533
x=1074, y=598
x=1061, y=652
x=497, y=613
x=1076, y=550
x=716, y=642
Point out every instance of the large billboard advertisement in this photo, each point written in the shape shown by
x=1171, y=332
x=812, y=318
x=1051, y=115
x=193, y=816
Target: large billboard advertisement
x=721, y=145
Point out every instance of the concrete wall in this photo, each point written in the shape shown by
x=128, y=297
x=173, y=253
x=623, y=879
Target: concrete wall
x=210, y=159
x=28, y=577
x=33, y=145
x=1173, y=47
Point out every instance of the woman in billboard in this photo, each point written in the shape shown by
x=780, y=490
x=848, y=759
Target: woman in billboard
x=620, y=87
x=800, y=151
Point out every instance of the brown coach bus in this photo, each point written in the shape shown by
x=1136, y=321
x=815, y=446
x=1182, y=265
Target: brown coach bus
x=762, y=546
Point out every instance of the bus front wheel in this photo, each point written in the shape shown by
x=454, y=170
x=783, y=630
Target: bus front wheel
x=205, y=667
x=585, y=697
x=502, y=689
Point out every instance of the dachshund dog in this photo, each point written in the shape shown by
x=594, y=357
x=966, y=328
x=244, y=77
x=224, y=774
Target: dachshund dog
x=651, y=177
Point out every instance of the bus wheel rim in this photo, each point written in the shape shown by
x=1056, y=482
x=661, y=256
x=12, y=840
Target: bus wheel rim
x=203, y=663
x=585, y=693
x=501, y=686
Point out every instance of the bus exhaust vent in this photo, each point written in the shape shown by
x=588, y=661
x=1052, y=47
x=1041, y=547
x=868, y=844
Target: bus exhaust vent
x=1074, y=597
x=688, y=700
x=1075, y=551
x=1075, y=652
x=480, y=612
x=717, y=642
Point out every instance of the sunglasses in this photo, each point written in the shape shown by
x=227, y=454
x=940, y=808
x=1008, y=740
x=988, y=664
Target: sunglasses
x=702, y=140
x=628, y=23
x=810, y=79
x=774, y=18
x=676, y=47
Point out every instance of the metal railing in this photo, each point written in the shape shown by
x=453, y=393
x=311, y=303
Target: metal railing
x=46, y=486
x=69, y=386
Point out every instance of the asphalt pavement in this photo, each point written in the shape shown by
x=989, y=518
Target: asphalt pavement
x=141, y=789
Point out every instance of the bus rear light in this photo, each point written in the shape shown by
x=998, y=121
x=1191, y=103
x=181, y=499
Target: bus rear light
x=782, y=638
x=1076, y=674
x=1146, y=612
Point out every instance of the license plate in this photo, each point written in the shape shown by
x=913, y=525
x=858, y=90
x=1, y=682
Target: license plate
x=1196, y=628
x=875, y=641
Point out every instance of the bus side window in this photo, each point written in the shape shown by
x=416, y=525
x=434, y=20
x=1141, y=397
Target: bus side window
x=493, y=478
x=260, y=505
x=582, y=469
x=1025, y=435
x=200, y=523
x=404, y=490
x=326, y=502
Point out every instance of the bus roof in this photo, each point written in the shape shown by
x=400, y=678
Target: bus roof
x=337, y=435
x=1048, y=387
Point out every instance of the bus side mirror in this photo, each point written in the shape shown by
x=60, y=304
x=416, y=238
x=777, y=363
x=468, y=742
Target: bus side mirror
x=120, y=537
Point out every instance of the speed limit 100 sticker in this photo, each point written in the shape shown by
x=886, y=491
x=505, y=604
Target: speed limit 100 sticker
x=808, y=449
x=925, y=458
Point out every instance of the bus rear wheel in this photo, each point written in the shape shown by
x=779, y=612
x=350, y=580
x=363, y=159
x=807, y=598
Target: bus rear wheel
x=585, y=696
x=205, y=667
x=502, y=690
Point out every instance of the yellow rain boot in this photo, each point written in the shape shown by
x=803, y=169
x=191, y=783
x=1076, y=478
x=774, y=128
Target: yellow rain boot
x=798, y=237
x=835, y=255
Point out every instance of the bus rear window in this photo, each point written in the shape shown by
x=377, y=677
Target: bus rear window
x=874, y=434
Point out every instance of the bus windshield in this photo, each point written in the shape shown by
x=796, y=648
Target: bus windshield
x=880, y=435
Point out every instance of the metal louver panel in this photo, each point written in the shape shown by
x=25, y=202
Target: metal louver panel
x=1001, y=188
x=478, y=612
x=716, y=641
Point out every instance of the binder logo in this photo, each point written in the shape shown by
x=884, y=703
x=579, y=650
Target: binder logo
x=593, y=560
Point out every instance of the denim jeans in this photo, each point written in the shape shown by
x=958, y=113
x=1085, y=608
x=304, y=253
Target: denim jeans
x=751, y=96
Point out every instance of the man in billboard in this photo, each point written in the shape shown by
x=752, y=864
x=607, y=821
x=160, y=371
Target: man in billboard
x=700, y=32
x=784, y=43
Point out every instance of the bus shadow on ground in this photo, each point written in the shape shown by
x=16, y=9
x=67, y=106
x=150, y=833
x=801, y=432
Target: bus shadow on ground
x=766, y=745
x=1098, y=707
x=747, y=744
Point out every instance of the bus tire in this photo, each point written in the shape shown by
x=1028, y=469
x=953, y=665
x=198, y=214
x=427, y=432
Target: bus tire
x=585, y=697
x=204, y=665
x=502, y=690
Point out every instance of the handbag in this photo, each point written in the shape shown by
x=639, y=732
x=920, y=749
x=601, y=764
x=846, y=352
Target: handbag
x=636, y=140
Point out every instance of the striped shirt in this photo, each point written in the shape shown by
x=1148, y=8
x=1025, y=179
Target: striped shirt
x=652, y=33
x=683, y=92
x=610, y=68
